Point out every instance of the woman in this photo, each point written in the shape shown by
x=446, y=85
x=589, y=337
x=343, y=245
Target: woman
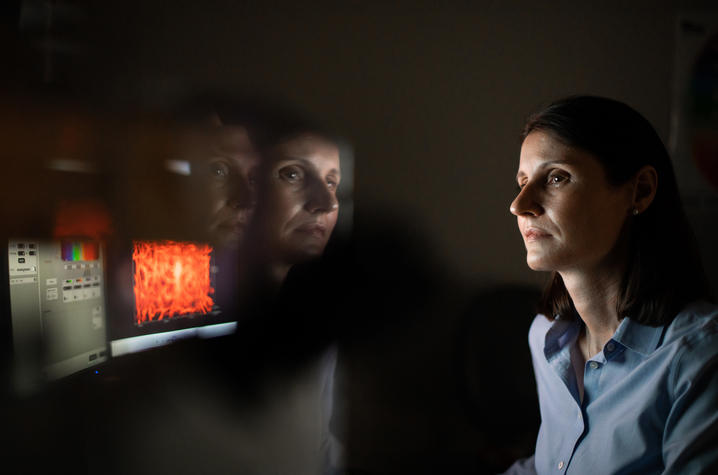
x=625, y=349
x=252, y=156
x=295, y=214
x=230, y=165
x=220, y=149
x=297, y=206
x=268, y=388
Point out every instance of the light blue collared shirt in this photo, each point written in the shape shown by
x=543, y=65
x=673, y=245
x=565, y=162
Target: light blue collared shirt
x=650, y=398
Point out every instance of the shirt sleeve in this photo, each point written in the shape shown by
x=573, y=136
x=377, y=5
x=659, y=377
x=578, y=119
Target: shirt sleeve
x=331, y=448
x=690, y=440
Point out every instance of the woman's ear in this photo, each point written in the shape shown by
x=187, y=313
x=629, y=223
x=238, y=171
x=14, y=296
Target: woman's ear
x=645, y=183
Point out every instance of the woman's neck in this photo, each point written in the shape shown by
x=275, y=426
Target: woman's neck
x=594, y=296
x=595, y=291
x=268, y=269
x=277, y=272
x=263, y=276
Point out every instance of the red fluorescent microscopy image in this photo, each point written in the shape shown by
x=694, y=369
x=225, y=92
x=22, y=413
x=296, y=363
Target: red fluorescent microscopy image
x=171, y=279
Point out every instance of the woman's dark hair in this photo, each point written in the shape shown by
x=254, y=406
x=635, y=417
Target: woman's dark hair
x=664, y=271
x=268, y=121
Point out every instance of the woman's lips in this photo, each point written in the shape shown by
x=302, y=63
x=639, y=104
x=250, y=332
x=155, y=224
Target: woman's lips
x=535, y=234
x=232, y=227
x=313, y=229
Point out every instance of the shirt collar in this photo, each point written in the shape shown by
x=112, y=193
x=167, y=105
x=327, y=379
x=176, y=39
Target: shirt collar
x=562, y=332
x=640, y=338
x=631, y=334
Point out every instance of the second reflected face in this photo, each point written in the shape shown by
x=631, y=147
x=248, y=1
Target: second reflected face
x=230, y=168
x=298, y=200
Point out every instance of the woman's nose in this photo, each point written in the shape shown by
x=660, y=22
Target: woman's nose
x=526, y=202
x=320, y=199
x=241, y=193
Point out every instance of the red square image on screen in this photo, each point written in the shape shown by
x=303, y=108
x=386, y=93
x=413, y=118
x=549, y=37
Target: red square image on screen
x=171, y=279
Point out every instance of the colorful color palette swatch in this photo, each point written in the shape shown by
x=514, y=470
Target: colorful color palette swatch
x=80, y=251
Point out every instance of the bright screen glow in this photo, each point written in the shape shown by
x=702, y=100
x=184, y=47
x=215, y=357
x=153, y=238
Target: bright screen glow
x=171, y=279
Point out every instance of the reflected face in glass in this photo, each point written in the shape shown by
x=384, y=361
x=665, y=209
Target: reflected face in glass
x=229, y=170
x=570, y=217
x=298, y=199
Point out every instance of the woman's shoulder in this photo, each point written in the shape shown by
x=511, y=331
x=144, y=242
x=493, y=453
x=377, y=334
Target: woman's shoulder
x=540, y=325
x=696, y=322
x=693, y=334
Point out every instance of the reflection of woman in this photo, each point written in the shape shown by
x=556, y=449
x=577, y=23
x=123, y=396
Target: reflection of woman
x=223, y=162
x=297, y=206
x=295, y=214
x=625, y=352
x=230, y=166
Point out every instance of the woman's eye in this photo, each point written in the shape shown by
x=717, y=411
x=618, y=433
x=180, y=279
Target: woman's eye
x=556, y=179
x=291, y=174
x=332, y=184
x=218, y=170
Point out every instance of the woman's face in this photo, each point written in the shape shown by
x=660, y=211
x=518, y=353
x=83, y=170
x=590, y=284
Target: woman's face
x=229, y=167
x=298, y=201
x=570, y=217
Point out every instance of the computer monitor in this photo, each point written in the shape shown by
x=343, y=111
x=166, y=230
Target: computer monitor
x=57, y=308
x=166, y=290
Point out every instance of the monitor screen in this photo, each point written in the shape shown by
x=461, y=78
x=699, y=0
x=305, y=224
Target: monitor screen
x=57, y=308
x=169, y=290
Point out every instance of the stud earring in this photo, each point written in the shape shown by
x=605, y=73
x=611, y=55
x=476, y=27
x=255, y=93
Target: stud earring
x=635, y=212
